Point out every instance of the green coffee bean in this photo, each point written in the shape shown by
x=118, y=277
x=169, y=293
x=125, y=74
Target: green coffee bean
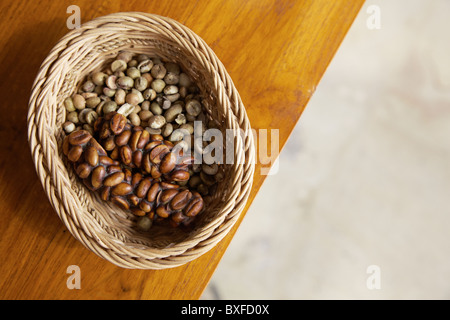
x=68, y=103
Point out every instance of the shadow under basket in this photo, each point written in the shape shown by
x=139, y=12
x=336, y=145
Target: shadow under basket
x=102, y=227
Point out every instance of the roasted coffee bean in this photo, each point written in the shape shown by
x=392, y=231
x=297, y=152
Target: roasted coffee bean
x=123, y=138
x=180, y=200
x=114, y=179
x=91, y=156
x=162, y=212
x=83, y=170
x=79, y=137
x=126, y=155
x=158, y=153
x=178, y=175
x=168, y=195
x=194, y=207
x=137, y=158
x=143, y=187
x=117, y=123
x=168, y=163
x=97, y=177
x=120, y=202
x=75, y=153
x=121, y=189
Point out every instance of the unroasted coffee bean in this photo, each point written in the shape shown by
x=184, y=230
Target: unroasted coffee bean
x=111, y=82
x=210, y=169
x=193, y=107
x=68, y=127
x=158, y=71
x=144, y=223
x=134, y=118
x=140, y=83
x=155, y=108
x=172, y=112
x=118, y=65
x=149, y=94
x=184, y=81
x=88, y=86
x=125, y=83
x=133, y=73
x=126, y=109
x=158, y=85
x=79, y=102
x=156, y=122
x=109, y=106
x=171, y=89
x=145, y=66
x=98, y=78
x=68, y=103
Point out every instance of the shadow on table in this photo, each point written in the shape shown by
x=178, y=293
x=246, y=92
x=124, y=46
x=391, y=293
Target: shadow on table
x=21, y=191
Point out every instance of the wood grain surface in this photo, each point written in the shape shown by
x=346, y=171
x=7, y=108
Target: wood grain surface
x=276, y=53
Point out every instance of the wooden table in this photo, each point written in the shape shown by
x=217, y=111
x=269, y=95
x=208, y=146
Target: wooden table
x=275, y=51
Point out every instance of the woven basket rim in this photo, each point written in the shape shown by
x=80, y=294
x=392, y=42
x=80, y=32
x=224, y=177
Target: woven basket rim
x=43, y=142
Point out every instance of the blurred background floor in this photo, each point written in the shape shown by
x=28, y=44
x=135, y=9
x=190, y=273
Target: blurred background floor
x=359, y=208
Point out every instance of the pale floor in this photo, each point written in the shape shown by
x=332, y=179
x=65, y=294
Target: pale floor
x=359, y=208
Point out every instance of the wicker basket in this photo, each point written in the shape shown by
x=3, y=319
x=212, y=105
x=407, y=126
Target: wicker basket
x=102, y=227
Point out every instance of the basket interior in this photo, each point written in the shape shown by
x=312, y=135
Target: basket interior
x=109, y=221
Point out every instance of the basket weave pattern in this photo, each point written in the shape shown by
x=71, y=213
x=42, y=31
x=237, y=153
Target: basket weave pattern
x=102, y=227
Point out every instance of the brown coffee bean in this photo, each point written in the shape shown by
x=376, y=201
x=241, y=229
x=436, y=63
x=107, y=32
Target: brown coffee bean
x=83, y=170
x=180, y=200
x=75, y=153
x=98, y=174
x=143, y=187
x=114, y=179
x=156, y=174
x=104, y=193
x=123, y=138
x=107, y=161
x=146, y=164
x=167, y=195
x=113, y=169
x=66, y=146
x=97, y=146
x=117, y=123
x=153, y=192
x=153, y=144
x=179, y=175
x=126, y=155
x=143, y=139
x=79, y=137
x=121, y=189
x=134, y=139
x=145, y=206
x=137, y=158
x=120, y=202
x=168, y=163
x=194, y=207
x=109, y=143
x=178, y=217
x=128, y=176
x=138, y=212
x=115, y=153
x=158, y=153
x=137, y=178
x=162, y=212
